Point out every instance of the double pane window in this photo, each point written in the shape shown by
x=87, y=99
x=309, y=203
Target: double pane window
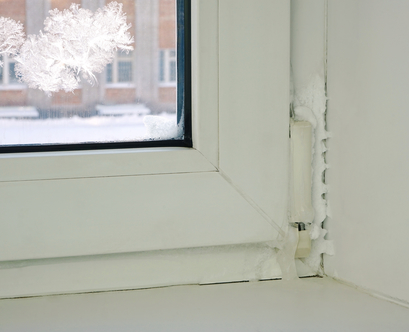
x=125, y=97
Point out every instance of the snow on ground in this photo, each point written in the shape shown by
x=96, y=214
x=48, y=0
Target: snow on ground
x=77, y=130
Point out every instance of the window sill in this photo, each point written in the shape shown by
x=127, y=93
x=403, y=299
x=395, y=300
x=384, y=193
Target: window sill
x=13, y=87
x=120, y=86
x=167, y=85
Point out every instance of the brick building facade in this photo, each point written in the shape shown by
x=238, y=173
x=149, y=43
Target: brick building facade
x=147, y=75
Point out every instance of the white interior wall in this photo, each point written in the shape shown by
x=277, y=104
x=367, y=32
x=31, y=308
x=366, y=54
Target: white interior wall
x=368, y=85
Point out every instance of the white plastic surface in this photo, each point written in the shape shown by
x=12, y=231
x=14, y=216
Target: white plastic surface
x=286, y=254
x=308, y=62
x=301, y=209
x=304, y=244
x=138, y=270
x=308, y=305
x=310, y=105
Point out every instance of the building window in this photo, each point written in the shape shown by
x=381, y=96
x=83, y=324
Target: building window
x=120, y=70
x=7, y=72
x=167, y=67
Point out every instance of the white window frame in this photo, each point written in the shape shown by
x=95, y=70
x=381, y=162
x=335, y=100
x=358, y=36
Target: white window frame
x=230, y=188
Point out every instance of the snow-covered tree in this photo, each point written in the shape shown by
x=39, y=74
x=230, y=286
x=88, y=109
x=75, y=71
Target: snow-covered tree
x=11, y=36
x=76, y=43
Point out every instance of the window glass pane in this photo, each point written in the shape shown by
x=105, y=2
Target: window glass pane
x=125, y=55
x=162, y=66
x=109, y=73
x=124, y=71
x=173, y=71
x=12, y=74
x=110, y=93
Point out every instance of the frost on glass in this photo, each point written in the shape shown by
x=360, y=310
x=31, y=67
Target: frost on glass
x=11, y=37
x=87, y=71
x=76, y=42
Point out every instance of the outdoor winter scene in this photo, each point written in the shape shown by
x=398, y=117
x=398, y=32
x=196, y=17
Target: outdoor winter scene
x=75, y=71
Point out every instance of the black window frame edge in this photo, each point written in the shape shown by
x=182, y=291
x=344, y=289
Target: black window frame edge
x=184, y=101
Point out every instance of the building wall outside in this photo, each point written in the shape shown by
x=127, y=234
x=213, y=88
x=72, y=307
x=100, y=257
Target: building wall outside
x=63, y=4
x=167, y=12
x=14, y=9
x=167, y=95
x=123, y=95
x=67, y=98
x=13, y=97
